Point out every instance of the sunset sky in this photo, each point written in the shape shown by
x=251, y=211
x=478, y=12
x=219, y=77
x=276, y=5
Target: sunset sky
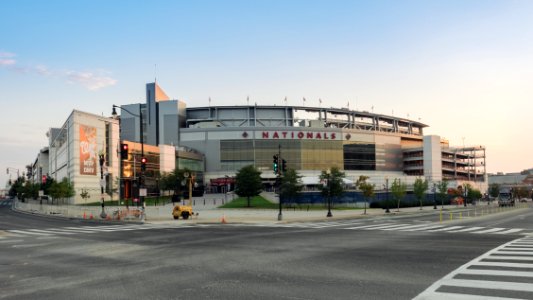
x=465, y=68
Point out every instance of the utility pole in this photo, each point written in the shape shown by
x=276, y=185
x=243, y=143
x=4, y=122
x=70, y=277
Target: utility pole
x=278, y=180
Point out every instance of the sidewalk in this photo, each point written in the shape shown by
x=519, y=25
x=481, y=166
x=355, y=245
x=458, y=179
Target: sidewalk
x=209, y=213
x=215, y=215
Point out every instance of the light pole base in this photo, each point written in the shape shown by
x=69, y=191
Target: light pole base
x=103, y=215
x=387, y=210
x=280, y=217
x=329, y=214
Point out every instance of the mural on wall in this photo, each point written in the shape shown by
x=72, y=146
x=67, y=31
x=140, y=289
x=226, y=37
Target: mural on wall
x=87, y=150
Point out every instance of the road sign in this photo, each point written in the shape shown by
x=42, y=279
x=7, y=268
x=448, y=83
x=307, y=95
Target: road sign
x=142, y=192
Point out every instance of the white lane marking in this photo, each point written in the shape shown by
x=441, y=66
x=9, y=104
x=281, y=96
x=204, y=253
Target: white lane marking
x=373, y=225
x=68, y=230
x=448, y=280
x=425, y=228
x=516, y=253
x=23, y=232
x=49, y=231
x=385, y=227
x=498, y=273
x=513, y=230
x=491, y=285
x=453, y=296
x=447, y=228
x=509, y=257
x=490, y=230
x=519, y=248
x=502, y=264
x=467, y=229
x=407, y=227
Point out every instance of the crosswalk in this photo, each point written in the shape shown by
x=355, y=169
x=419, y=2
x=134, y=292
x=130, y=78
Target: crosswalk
x=394, y=226
x=505, y=272
x=77, y=230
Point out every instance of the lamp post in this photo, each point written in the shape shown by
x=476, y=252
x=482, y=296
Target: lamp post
x=328, y=173
x=190, y=178
x=102, y=183
x=140, y=116
x=387, y=194
x=434, y=196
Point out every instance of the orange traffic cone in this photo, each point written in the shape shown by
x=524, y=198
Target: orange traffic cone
x=91, y=216
x=223, y=219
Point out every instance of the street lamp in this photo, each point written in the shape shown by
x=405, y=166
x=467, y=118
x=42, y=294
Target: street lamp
x=387, y=194
x=190, y=177
x=434, y=196
x=140, y=116
x=328, y=178
x=102, y=183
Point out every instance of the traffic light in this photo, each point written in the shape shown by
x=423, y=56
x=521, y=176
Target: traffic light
x=283, y=166
x=124, y=151
x=275, y=162
x=143, y=164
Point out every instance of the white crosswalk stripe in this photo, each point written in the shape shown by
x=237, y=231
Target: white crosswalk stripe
x=388, y=226
x=73, y=230
x=432, y=227
x=493, y=273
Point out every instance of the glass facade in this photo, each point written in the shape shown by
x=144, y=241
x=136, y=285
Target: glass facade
x=360, y=157
x=299, y=154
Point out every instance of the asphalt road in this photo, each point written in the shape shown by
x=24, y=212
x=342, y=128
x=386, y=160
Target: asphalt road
x=43, y=258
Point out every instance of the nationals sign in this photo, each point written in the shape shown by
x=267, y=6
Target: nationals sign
x=87, y=150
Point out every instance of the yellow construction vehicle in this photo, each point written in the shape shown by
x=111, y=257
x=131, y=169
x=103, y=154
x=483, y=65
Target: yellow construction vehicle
x=183, y=211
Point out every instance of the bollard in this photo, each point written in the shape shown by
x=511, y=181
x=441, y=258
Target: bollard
x=214, y=201
x=204, y=201
x=451, y=216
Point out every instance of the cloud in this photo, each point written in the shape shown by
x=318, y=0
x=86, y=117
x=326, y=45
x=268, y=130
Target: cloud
x=6, y=59
x=90, y=80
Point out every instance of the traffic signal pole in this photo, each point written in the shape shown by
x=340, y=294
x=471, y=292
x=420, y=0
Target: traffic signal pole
x=278, y=179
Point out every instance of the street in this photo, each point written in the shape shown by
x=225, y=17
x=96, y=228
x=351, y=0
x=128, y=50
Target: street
x=389, y=257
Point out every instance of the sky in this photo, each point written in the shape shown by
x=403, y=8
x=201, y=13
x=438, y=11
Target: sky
x=464, y=68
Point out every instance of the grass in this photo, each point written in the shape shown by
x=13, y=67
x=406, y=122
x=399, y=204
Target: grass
x=255, y=202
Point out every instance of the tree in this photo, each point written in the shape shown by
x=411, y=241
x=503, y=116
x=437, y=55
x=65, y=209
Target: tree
x=248, y=182
x=442, y=191
x=290, y=184
x=494, y=190
x=31, y=190
x=61, y=190
x=17, y=188
x=472, y=194
x=172, y=181
x=334, y=187
x=419, y=189
x=398, y=190
x=85, y=194
x=366, y=187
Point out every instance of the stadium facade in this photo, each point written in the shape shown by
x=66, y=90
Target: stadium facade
x=214, y=142
x=310, y=139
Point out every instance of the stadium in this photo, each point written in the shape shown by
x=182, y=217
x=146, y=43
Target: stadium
x=310, y=139
x=214, y=142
